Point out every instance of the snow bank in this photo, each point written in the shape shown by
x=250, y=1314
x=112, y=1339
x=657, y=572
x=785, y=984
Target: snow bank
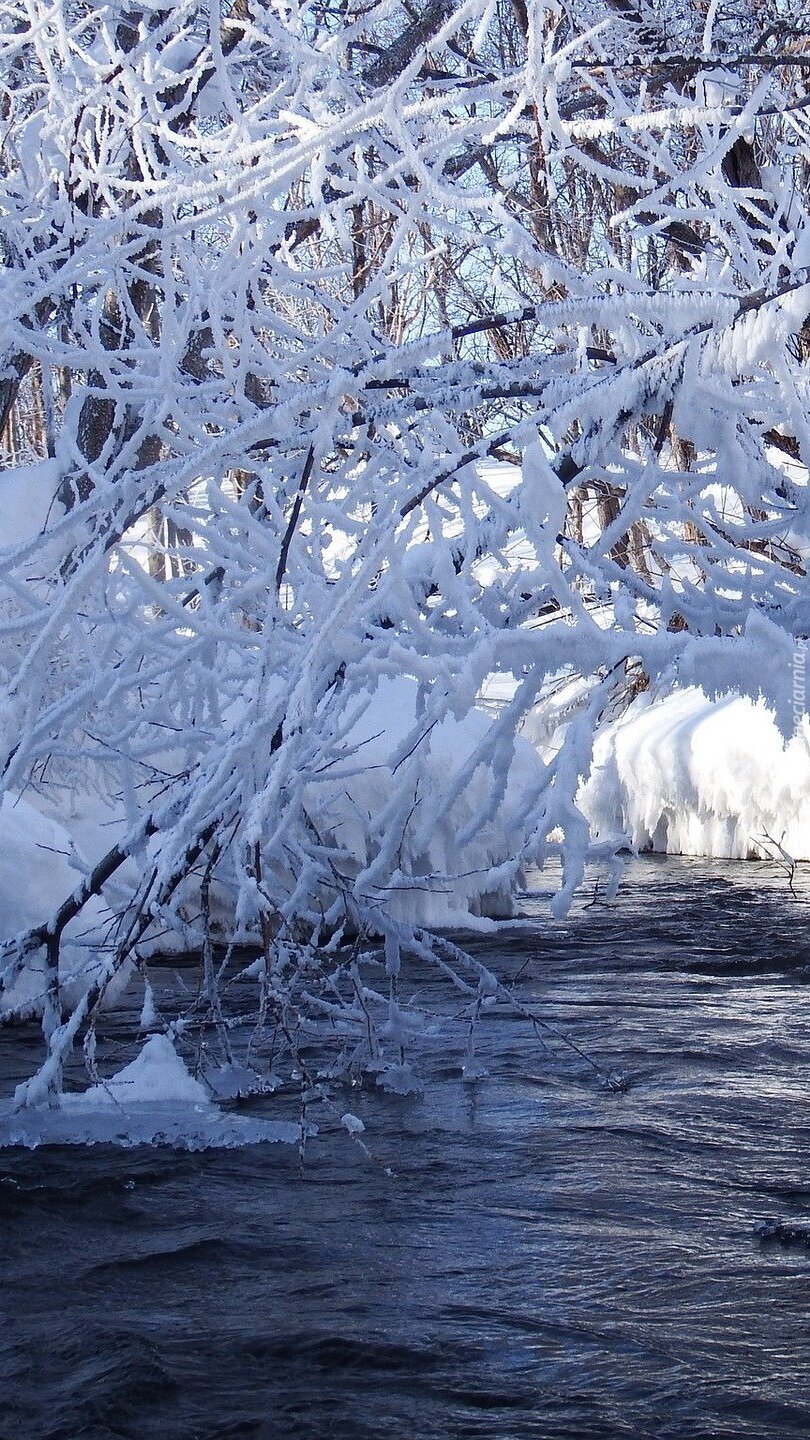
x=442, y=875
x=687, y=775
x=26, y=500
x=39, y=868
x=425, y=876
x=35, y=870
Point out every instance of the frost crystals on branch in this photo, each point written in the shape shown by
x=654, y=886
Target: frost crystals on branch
x=357, y=367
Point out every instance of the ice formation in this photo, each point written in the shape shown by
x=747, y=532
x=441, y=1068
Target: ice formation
x=153, y=1100
x=689, y=775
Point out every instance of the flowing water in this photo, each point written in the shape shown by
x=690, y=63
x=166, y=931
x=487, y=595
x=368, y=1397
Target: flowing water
x=548, y=1258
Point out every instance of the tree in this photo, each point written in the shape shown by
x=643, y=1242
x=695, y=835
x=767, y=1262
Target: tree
x=282, y=285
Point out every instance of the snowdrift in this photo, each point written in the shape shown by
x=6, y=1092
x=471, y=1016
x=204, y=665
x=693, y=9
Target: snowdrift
x=686, y=775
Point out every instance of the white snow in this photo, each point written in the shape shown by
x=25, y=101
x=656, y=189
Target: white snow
x=689, y=775
x=178, y=1126
x=400, y=1080
x=436, y=883
x=156, y=1075
x=40, y=866
x=26, y=498
x=35, y=870
x=352, y=1123
x=154, y=1100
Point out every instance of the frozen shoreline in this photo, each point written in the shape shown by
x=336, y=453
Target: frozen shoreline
x=688, y=775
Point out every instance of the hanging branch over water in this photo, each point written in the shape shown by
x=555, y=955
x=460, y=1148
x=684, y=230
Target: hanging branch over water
x=461, y=346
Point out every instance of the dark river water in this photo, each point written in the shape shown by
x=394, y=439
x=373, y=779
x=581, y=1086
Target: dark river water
x=548, y=1258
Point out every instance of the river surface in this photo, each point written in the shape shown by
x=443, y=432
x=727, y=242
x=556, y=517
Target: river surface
x=547, y=1257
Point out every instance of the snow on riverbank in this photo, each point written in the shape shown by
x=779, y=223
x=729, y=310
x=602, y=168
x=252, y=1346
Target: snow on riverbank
x=450, y=869
x=27, y=501
x=40, y=866
x=692, y=776
x=48, y=841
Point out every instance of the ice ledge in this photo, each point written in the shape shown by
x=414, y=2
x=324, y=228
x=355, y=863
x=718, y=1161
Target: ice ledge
x=153, y=1101
x=181, y=1127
